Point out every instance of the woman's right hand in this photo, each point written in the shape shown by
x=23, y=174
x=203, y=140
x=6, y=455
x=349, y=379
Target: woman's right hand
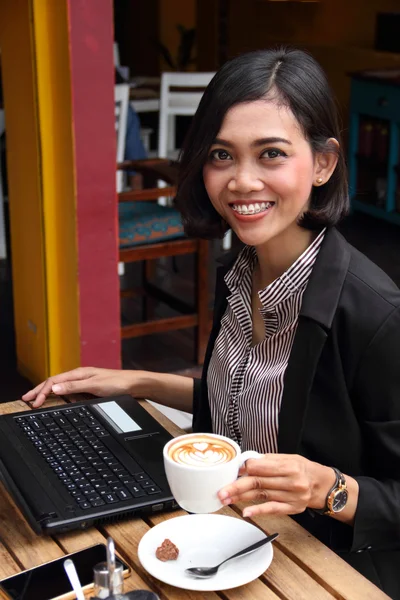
x=92, y=380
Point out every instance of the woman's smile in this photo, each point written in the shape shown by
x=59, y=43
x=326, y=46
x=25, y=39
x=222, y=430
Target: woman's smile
x=250, y=211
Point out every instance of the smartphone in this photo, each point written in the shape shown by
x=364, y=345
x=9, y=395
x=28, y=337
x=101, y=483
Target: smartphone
x=50, y=582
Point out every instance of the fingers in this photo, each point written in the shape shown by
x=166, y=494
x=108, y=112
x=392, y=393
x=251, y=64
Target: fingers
x=63, y=383
x=262, y=495
x=250, y=483
x=269, y=508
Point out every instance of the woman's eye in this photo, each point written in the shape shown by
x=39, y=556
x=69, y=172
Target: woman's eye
x=273, y=153
x=220, y=155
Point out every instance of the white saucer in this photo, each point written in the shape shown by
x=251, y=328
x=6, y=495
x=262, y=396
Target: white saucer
x=205, y=541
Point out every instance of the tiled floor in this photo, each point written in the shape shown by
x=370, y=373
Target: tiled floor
x=173, y=352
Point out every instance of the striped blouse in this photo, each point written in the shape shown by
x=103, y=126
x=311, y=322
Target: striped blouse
x=245, y=382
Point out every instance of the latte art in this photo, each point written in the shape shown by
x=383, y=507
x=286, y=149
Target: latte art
x=201, y=451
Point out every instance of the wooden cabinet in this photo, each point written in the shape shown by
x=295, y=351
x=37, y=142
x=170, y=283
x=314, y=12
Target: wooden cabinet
x=374, y=131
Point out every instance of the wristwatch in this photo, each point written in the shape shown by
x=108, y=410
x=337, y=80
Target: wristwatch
x=337, y=496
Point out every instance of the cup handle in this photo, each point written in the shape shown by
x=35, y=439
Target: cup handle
x=249, y=454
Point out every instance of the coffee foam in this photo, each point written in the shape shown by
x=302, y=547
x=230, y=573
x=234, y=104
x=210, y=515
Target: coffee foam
x=201, y=451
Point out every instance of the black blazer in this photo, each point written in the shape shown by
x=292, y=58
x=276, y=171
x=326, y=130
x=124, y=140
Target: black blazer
x=341, y=400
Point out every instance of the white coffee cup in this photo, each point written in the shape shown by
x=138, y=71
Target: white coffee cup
x=195, y=486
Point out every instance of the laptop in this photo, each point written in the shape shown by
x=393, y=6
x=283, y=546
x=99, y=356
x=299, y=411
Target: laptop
x=76, y=465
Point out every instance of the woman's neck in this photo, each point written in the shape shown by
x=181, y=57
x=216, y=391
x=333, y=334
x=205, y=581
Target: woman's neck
x=277, y=255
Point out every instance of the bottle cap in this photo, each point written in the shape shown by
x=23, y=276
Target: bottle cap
x=101, y=580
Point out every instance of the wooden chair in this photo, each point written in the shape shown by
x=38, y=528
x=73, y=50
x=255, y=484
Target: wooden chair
x=147, y=232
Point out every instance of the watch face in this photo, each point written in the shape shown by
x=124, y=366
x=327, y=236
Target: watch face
x=339, y=500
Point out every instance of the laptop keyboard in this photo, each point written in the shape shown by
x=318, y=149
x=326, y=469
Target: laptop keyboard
x=72, y=442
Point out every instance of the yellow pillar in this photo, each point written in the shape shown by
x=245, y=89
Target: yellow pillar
x=40, y=168
x=51, y=46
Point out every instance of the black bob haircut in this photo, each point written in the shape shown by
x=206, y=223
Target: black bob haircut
x=294, y=79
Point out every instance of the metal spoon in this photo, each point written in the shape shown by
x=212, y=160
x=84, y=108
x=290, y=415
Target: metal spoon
x=73, y=578
x=110, y=564
x=205, y=572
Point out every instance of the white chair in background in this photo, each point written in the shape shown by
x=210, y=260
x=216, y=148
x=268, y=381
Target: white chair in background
x=117, y=61
x=121, y=100
x=177, y=102
x=180, y=95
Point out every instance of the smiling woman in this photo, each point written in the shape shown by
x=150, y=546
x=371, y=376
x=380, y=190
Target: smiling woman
x=303, y=361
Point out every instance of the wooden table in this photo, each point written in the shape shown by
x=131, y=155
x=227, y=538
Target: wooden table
x=302, y=567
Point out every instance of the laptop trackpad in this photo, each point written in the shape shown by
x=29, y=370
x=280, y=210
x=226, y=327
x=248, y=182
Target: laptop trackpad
x=148, y=451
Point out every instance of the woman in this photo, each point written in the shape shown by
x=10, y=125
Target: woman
x=303, y=362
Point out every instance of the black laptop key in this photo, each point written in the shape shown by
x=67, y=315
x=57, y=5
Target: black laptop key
x=89, y=471
x=110, y=498
x=116, y=486
x=98, y=503
x=135, y=489
x=129, y=479
x=73, y=419
x=152, y=490
x=147, y=483
x=85, y=505
x=89, y=455
x=118, y=468
x=79, y=478
x=96, y=445
x=123, y=494
x=91, y=422
x=93, y=497
x=99, y=484
x=140, y=476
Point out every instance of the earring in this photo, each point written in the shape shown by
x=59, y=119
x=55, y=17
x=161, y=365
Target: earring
x=319, y=180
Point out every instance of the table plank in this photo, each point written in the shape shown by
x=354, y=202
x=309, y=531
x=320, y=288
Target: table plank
x=8, y=566
x=23, y=544
x=326, y=567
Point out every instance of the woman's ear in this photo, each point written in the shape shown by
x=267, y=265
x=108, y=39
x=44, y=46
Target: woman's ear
x=325, y=162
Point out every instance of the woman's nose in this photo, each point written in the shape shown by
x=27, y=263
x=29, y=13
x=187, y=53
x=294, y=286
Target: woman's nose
x=245, y=180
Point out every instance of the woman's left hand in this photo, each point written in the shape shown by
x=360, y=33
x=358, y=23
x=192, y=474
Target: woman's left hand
x=283, y=483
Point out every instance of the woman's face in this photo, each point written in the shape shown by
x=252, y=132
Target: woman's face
x=260, y=172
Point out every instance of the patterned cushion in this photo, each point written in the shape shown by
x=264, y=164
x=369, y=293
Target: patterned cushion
x=147, y=222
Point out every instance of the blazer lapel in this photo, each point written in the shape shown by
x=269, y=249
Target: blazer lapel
x=307, y=347
x=319, y=306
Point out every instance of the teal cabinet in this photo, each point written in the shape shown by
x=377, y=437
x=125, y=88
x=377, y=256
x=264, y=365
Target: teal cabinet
x=374, y=175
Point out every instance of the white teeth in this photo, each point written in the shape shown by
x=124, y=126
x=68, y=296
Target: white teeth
x=251, y=209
